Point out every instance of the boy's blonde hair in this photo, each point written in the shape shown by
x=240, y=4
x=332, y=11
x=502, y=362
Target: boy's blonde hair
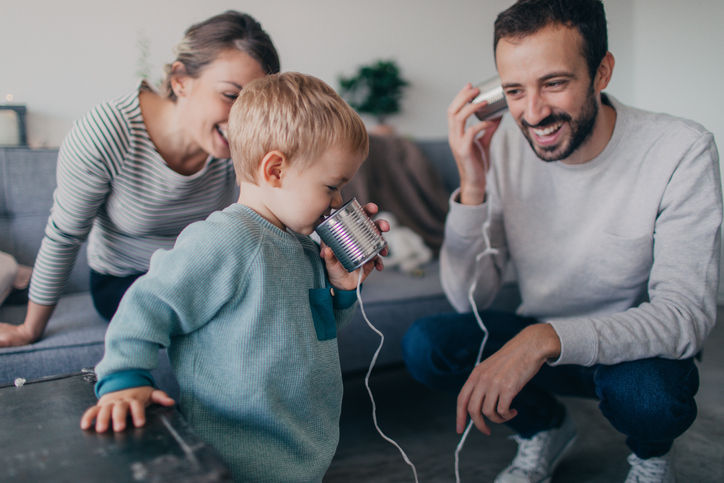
x=296, y=114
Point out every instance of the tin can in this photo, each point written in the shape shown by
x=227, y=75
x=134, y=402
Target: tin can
x=352, y=235
x=492, y=92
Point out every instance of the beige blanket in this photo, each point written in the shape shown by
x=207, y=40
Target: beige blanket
x=400, y=179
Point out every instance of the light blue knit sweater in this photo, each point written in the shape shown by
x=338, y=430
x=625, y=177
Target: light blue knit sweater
x=246, y=312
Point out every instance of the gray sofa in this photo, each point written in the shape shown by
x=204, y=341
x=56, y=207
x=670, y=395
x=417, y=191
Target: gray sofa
x=73, y=339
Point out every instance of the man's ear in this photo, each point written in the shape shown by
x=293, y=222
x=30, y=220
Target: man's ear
x=179, y=79
x=604, y=72
x=272, y=167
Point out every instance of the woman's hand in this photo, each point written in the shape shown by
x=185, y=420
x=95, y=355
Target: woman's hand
x=339, y=277
x=115, y=406
x=15, y=335
x=470, y=146
x=31, y=330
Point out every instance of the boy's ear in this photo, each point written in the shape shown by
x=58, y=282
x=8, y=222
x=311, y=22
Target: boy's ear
x=272, y=168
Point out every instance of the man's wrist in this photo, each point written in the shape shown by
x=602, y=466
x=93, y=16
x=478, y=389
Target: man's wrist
x=547, y=341
x=471, y=196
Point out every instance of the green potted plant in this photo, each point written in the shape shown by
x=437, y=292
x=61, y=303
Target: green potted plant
x=375, y=89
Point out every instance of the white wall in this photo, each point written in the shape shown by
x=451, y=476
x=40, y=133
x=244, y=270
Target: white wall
x=61, y=58
x=677, y=62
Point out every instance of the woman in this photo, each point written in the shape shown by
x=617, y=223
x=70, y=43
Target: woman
x=135, y=171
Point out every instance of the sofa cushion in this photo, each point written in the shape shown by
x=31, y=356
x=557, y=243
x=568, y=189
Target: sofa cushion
x=392, y=300
x=441, y=158
x=73, y=340
x=27, y=182
x=392, y=303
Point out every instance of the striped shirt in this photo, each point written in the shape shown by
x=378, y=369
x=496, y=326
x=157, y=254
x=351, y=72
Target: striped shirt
x=115, y=190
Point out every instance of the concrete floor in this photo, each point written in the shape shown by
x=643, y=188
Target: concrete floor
x=423, y=423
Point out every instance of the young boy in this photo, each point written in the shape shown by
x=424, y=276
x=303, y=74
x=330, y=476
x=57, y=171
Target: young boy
x=244, y=303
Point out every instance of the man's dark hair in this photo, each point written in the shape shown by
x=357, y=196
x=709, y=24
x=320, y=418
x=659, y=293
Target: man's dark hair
x=527, y=17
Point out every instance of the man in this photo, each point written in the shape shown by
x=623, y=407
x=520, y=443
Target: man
x=610, y=217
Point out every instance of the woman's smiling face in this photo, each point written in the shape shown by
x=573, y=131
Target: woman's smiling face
x=204, y=102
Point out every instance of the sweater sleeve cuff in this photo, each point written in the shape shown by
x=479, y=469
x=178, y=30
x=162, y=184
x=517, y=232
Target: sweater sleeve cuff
x=344, y=299
x=466, y=219
x=579, y=344
x=123, y=380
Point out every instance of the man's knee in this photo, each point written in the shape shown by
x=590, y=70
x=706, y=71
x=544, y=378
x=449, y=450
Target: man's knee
x=416, y=346
x=650, y=399
x=437, y=351
x=419, y=351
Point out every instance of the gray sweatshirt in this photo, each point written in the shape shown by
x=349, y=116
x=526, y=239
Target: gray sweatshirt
x=620, y=255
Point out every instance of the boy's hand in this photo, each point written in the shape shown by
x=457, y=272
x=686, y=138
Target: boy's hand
x=115, y=406
x=339, y=277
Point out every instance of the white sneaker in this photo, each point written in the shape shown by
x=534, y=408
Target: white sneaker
x=538, y=456
x=659, y=469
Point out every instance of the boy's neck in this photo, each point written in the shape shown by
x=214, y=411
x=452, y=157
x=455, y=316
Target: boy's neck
x=252, y=196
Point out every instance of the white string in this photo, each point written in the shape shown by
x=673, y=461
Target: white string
x=488, y=251
x=367, y=380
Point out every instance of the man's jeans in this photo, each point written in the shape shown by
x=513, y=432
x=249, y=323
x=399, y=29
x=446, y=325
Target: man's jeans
x=651, y=401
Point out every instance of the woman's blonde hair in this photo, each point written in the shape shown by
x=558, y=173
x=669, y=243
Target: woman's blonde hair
x=204, y=41
x=296, y=114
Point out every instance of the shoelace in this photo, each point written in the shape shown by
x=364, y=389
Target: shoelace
x=652, y=469
x=528, y=456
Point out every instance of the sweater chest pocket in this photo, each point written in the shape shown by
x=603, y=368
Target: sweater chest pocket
x=320, y=302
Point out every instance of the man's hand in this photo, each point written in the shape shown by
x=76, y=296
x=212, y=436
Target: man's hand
x=470, y=148
x=494, y=383
x=116, y=405
x=339, y=277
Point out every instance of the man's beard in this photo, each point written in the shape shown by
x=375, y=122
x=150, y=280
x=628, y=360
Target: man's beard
x=581, y=129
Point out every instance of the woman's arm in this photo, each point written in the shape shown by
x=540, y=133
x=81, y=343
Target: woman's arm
x=84, y=173
x=88, y=160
